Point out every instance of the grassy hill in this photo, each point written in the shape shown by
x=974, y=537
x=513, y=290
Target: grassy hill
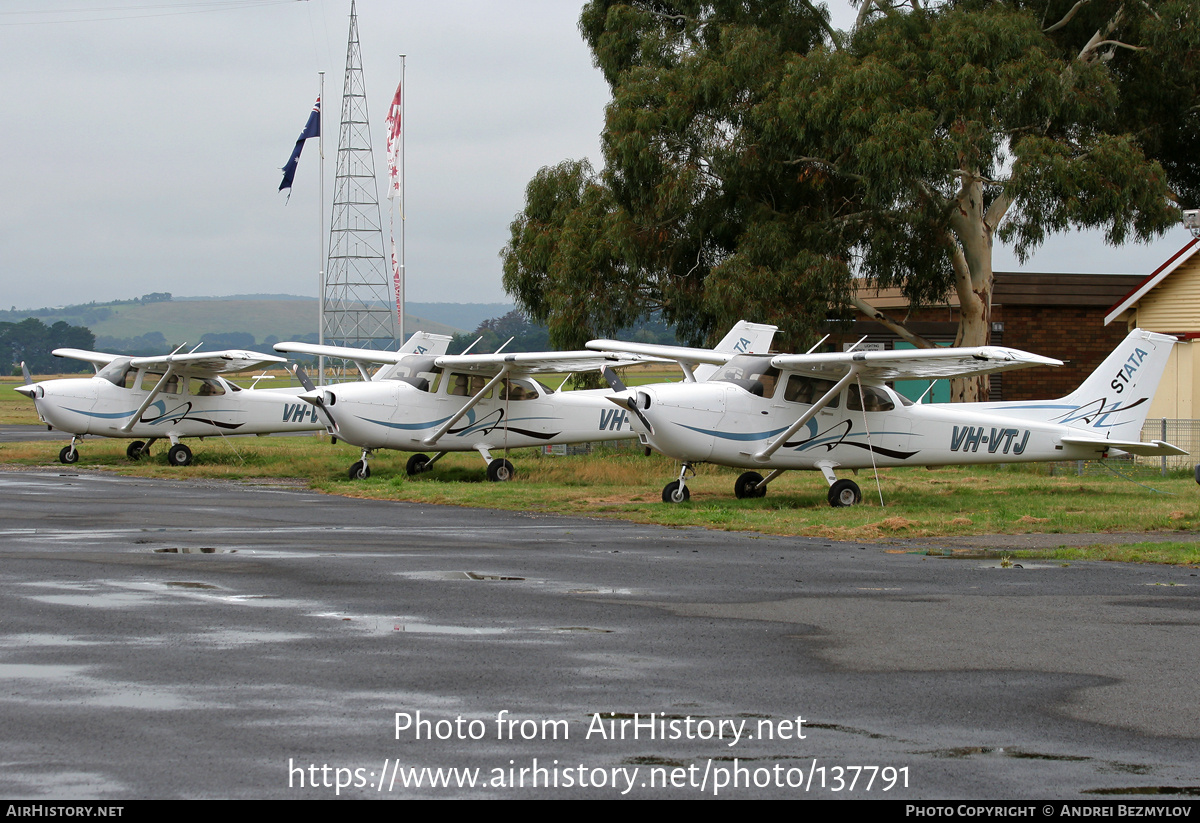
x=189, y=320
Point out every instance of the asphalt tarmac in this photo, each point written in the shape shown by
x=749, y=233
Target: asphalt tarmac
x=174, y=639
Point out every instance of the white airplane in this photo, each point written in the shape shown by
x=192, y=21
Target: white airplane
x=172, y=396
x=476, y=402
x=834, y=411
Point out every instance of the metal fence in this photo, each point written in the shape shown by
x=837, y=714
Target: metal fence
x=1182, y=433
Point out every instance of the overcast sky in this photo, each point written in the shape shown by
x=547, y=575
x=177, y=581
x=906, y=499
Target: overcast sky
x=142, y=141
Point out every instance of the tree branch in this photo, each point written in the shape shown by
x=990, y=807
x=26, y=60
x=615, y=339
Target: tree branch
x=1067, y=18
x=892, y=325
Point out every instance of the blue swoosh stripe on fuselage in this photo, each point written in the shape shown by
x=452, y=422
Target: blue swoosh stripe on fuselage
x=732, y=436
x=406, y=426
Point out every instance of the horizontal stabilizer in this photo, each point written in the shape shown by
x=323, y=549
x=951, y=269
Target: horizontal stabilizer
x=1155, y=448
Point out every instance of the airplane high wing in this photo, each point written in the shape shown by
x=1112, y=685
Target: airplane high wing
x=466, y=402
x=173, y=396
x=825, y=411
x=913, y=364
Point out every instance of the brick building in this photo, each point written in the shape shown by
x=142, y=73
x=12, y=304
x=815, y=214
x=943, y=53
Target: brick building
x=1057, y=315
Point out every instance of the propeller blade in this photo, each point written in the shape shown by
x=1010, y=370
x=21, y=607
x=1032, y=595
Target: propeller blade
x=613, y=381
x=314, y=396
x=25, y=374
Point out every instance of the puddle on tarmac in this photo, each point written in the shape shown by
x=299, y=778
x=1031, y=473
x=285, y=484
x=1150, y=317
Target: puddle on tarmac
x=1185, y=791
x=188, y=585
x=38, y=671
x=456, y=576
x=194, y=550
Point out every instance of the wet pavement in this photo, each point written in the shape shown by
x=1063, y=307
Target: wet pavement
x=214, y=639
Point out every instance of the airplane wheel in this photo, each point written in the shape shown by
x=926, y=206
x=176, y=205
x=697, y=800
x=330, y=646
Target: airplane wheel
x=747, y=485
x=416, y=464
x=134, y=450
x=68, y=455
x=359, y=471
x=500, y=470
x=673, y=493
x=179, y=455
x=844, y=493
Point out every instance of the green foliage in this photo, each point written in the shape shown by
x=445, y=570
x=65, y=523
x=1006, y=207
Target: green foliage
x=756, y=161
x=32, y=341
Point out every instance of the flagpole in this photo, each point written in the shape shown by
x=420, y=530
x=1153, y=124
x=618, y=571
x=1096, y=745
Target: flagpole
x=403, y=207
x=321, y=230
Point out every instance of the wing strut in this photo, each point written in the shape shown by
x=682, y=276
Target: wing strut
x=437, y=435
x=765, y=455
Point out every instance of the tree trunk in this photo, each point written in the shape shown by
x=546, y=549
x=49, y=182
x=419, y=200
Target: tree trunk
x=971, y=256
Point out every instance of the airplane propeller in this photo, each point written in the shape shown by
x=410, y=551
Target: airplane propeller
x=631, y=402
x=314, y=396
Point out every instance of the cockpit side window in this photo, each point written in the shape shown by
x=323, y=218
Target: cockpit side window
x=873, y=399
x=204, y=387
x=809, y=390
x=518, y=390
x=150, y=380
x=468, y=385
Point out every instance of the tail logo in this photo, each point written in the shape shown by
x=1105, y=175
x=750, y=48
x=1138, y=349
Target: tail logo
x=1126, y=371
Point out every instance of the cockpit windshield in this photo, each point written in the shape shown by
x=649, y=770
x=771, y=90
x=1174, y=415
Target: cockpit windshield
x=416, y=370
x=117, y=372
x=754, y=374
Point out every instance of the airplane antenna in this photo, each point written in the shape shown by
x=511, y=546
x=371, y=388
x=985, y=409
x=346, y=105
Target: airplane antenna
x=819, y=342
x=468, y=348
x=180, y=348
x=928, y=389
x=198, y=345
x=505, y=343
x=859, y=343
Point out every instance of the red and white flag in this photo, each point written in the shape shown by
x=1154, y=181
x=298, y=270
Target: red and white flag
x=393, y=146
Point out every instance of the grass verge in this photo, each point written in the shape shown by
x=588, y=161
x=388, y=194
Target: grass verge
x=624, y=484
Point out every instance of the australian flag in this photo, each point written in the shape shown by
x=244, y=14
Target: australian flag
x=311, y=129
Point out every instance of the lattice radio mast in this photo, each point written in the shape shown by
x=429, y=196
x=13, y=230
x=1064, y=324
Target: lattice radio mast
x=356, y=307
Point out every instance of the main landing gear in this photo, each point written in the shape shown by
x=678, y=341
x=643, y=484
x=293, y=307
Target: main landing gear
x=750, y=485
x=499, y=470
x=421, y=463
x=841, y=492
x=139, y=449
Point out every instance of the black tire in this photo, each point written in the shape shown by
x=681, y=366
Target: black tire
x=500, y=471
x=416, y=464
x=672, y=493
x=844, y=493
x=134, y=450
x=748, y=485
x=68, y=455
x=359, y=471
x=179, y=455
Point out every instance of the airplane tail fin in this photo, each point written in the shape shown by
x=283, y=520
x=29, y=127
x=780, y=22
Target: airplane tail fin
x=743, y=338
x=422, y=342
x=1112, y=403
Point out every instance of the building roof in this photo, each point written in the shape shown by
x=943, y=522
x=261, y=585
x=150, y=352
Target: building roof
x=1025, y=288
x=1153, y=279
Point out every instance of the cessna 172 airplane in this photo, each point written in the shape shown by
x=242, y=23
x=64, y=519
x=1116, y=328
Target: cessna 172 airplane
x=173, y=396
x=834, y=411
x=479, y=402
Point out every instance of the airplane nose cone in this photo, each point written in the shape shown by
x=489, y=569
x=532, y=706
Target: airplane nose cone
x=31, y=391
